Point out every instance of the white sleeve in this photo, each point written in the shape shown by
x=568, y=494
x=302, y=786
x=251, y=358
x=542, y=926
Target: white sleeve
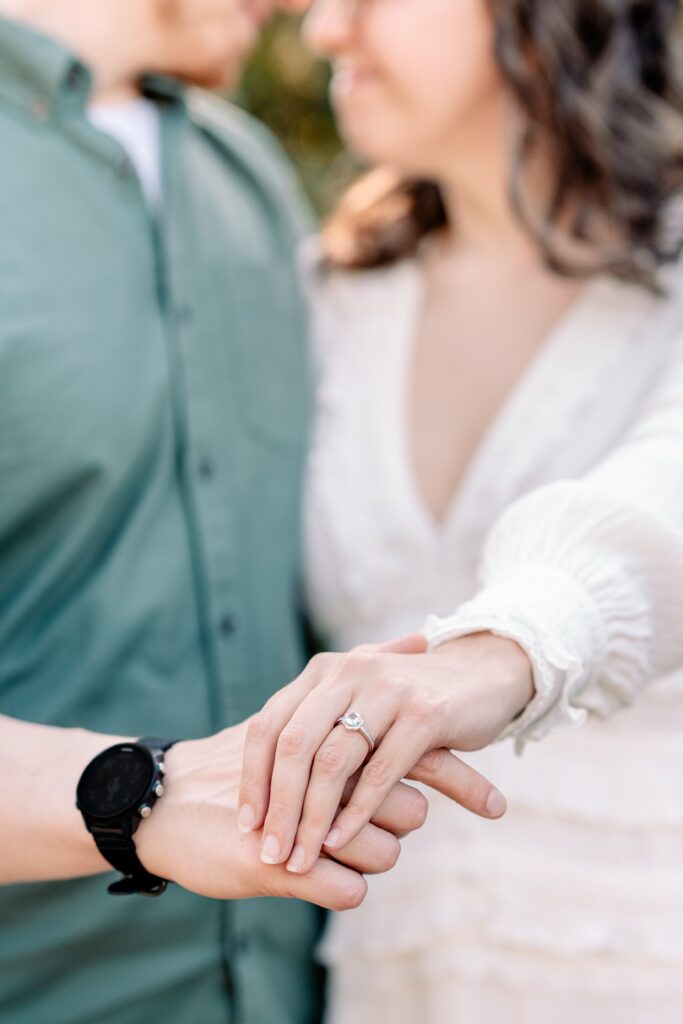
x=587, y=574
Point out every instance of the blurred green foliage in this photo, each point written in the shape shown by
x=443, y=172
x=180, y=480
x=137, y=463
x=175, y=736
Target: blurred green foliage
x=287, y=88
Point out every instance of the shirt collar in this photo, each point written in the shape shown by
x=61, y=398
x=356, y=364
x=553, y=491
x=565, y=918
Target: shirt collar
x=163, y=88
x=39, y=74
x=34, y=68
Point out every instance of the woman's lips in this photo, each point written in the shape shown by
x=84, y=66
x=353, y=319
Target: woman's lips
x=346, y=79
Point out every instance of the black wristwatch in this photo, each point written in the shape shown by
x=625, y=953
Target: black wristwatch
x=115, y=792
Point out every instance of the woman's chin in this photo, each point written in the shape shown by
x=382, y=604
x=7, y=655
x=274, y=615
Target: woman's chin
x=371, y=148
x=373, y=135
x=361, y=134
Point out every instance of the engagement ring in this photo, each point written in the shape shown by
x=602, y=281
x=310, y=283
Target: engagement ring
x=355, y=723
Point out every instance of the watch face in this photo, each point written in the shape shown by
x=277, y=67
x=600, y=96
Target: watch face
x=116, y=781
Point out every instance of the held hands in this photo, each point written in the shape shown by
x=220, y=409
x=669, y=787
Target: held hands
x=417, y=705
x=192, y=837
x=295, y=772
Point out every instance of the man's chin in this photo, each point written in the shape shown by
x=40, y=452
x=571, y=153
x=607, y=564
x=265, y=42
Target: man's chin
x=221, y=77
x=223, y=73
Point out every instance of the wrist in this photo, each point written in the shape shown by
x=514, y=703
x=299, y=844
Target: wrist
x=117, y=791
x=153, y=837
x=505, y=668
x=191, y=836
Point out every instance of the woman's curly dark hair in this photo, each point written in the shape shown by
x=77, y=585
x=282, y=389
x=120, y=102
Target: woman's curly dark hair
x=597, y=83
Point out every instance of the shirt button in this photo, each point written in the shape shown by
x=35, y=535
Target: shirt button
x=76, y=76
x=206, y=469
x=228, y=625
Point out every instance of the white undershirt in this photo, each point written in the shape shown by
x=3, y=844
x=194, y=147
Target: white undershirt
x=135, y=124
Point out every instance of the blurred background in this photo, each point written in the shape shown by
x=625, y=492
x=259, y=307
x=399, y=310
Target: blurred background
x=287, y=89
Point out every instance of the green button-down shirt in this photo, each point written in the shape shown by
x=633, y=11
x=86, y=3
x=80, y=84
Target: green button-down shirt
x=153, y=406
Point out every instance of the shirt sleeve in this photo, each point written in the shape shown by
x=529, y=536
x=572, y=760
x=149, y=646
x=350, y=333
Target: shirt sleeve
x=587, y=574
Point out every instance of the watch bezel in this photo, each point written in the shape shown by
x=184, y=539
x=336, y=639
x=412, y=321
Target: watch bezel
x=132, y=805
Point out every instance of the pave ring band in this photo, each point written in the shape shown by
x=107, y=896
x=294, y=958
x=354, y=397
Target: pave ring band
x=355, y=723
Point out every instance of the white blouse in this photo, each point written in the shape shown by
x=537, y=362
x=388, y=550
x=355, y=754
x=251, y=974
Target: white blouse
x=571, y=510
x=566, y=534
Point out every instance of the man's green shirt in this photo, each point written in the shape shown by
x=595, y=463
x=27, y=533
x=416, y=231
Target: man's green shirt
x=153, y=409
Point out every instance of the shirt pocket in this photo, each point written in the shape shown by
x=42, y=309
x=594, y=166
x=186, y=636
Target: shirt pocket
x=272, y=353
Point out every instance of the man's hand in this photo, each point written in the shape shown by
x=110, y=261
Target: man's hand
x=193, y=839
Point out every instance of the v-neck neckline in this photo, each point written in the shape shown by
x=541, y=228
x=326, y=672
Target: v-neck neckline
x=557, y=337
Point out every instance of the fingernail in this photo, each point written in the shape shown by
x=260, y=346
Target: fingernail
x=333, y=837
x=297, y=860
x=245, y=821
x=270, y=851
x=496, y=804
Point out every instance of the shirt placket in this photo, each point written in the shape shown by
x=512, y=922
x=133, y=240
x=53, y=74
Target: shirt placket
x=207, y=461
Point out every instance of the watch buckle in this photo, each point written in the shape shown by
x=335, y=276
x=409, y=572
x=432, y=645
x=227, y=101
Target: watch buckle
x=127, y=885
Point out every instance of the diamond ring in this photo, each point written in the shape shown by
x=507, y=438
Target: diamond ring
x=355, y=723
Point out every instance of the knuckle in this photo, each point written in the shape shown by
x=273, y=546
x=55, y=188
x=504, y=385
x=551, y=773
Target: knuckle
x=376, y=773
x=384, y=855
x=331, y=760
x=353, y=894
x=278, y=811
x=391, y=855
x=312, y=824
x=322, y=662
x=261, y=727
x=358, y=662
x=251, y=779
x=292, y=741
x=416, y=813
x=273, y=702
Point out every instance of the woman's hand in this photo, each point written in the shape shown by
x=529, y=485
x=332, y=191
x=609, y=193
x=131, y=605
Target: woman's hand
x=192, y=837
x=417, y=706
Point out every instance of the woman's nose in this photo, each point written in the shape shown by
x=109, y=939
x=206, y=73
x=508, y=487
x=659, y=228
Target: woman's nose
x=328, y=25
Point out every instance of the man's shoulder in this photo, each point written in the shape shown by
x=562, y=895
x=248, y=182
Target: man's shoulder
x=254, y=148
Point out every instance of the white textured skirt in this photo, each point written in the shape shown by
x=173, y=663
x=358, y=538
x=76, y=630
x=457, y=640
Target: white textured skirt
x=567, y=911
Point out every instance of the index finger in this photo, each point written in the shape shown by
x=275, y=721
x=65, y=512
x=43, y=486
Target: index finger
x=263, y=732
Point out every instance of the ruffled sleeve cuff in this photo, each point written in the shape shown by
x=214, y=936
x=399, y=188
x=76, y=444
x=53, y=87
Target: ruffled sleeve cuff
x=560, y=627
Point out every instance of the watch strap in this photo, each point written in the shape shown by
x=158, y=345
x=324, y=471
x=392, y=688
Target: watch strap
x=119, y=850
x=117, y=846
x=155, y=743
